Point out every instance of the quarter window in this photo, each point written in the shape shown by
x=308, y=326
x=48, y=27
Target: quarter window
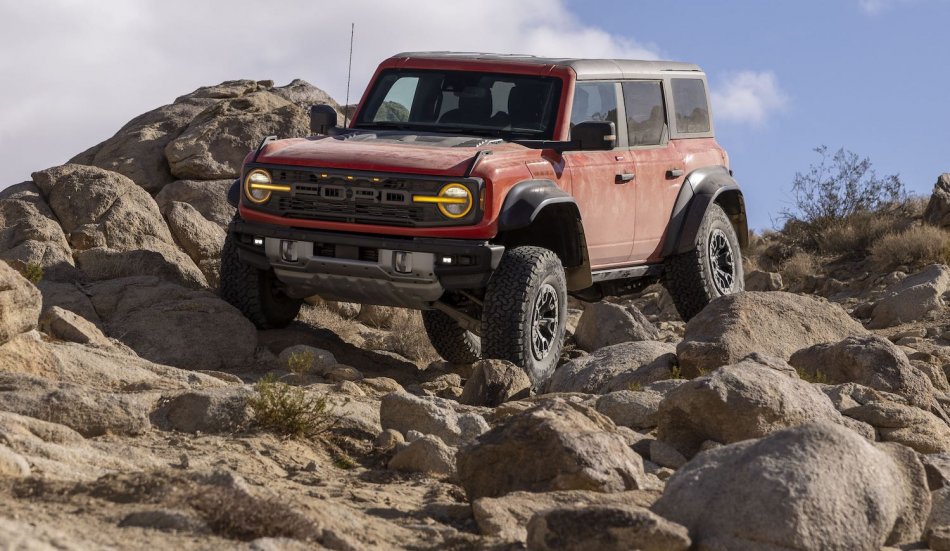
x=594, y=101
x=646, y=116
x=692, y=109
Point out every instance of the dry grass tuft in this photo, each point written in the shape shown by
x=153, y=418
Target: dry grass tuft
x=855, y=235
x=233, y=514
x=409, y=338
x=913, y=247
x=799, y=267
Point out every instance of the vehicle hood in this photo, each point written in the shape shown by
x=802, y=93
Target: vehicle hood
x=416, y=153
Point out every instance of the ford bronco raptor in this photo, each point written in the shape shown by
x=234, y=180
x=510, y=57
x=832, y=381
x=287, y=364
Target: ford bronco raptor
x=484, y=190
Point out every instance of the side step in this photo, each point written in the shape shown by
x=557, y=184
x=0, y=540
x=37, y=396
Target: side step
x=649, y=270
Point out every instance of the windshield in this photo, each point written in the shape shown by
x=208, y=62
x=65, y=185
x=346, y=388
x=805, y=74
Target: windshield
x=463, y=102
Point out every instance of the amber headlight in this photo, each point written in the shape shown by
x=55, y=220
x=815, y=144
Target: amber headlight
x=258, y=186
x=454, y=201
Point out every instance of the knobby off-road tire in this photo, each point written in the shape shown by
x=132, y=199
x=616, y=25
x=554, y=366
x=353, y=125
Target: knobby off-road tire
x=525, y=312
x=712, y=269
x=254, y=292
x=453, y=342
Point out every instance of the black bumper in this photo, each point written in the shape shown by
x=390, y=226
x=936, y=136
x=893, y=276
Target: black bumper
x=484, y=256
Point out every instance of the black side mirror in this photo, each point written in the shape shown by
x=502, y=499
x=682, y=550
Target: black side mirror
x=594, y=135
x=322, y=119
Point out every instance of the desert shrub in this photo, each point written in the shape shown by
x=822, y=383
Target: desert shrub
x=915, y=246
x=836, y=189
x=33, y=272
x=798, y=267
x=300, y=362
x=408, y=337
x=288, y=410
x=234, y=514
x=841, y=185
x=853, y=236
x=816, y=377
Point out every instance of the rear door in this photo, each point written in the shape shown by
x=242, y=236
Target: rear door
x=659, y=166
x=602, y=180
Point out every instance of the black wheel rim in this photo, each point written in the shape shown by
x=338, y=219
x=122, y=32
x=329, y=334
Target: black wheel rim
x=544, y=322
x=722, y=262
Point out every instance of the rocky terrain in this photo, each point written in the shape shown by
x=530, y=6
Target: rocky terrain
x=139, y=410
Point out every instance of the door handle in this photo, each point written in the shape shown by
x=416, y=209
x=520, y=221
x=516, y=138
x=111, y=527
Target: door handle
x=625, y=177
x=674, y=173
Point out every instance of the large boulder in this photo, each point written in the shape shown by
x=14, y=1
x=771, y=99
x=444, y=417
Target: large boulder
x=870, y=361
x=907, y=425
x=215, y=142
x=739, y=402
x=113, y=369
x=68, y=326
x=88, y=411
x=200, y=238
x=30, y=236
x=773, y=323
x=403, y=412
x=817, y=486
x=554, y=446
x=20, y=304
x=210, y=410
x=507, y=517
x=426, y=454
x=173, y=325
x=604, y=528
x=494, y=382
x=604, y=323
x=629, y=408
x=209, y=197
x=113, y=225
x=938, y=208
x=138, y=150
x=912, y=298
x=616, y=367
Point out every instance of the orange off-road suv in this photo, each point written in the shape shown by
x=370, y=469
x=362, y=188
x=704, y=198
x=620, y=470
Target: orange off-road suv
x=483, y=190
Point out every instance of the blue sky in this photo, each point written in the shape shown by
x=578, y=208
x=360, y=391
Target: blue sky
x=873, y=77
x=868, y=75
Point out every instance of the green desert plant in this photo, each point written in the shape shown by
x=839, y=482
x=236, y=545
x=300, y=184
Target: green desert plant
x=33, y=272
x=300, y=362
x=288, y=411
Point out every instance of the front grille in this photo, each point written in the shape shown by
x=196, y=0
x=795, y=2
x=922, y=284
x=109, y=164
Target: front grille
x=382, y=200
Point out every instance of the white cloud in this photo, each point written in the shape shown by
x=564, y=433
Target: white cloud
x=874, y=7
x=75, y=71
x=748, y=97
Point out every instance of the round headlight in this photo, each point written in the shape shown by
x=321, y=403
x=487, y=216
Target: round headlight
x=457, y=201
x=256, y=185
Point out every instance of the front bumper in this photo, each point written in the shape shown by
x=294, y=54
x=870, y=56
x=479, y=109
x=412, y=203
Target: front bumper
x=350, y=267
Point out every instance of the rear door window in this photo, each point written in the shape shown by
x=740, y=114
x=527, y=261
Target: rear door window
x=646, y=114
x=692, y=108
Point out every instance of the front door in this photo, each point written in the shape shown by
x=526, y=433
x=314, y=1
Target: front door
x=603, y=181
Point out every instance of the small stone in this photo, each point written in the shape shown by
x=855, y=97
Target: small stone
x=388, y=439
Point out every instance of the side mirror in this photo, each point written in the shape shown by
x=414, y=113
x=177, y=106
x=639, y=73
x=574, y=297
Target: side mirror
x=594, y=135
x=322, y=119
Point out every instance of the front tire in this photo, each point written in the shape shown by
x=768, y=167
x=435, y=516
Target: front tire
x=453, y=342
x=255, y=292
x=525, y=312
x=712, y=269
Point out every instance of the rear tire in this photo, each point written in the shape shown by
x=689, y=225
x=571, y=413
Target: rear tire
x=712, y=269
x=255, y=292
x=453, y=342
x=525, y=312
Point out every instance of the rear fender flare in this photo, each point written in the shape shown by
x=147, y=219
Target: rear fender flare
x=702, y=188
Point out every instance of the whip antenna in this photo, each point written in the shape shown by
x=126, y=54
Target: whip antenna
x=349, y=73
